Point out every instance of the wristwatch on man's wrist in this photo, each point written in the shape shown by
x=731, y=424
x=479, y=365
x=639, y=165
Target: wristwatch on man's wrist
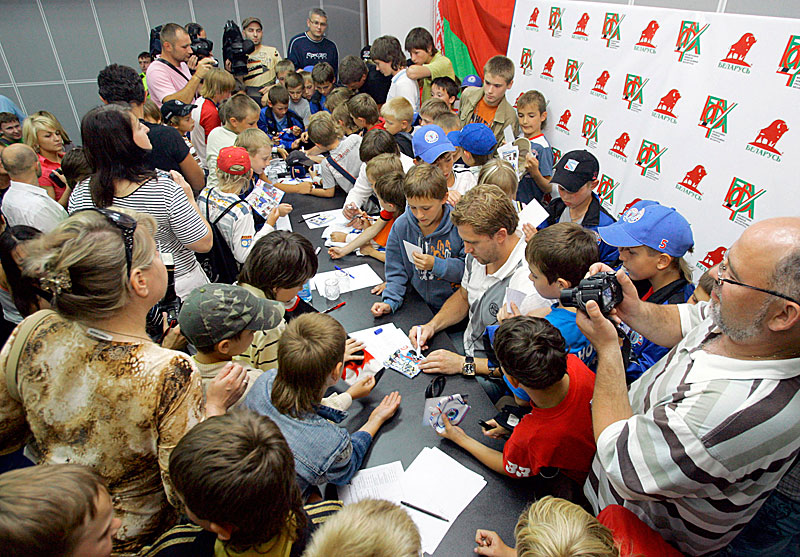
x=468, y=368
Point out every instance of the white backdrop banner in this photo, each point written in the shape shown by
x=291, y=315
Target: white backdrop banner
x=699, y=111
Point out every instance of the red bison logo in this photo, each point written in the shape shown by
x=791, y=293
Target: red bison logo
x=739, y=50
x=600, y=84
x=693, y=178
x=769, y=136
x=580, y=28
x=667, y=103
x=518, y=98
x=647, y=35
x=534, y=17
x=548, y=67
x=562, y=122
x=714, y=257
x=621, y=143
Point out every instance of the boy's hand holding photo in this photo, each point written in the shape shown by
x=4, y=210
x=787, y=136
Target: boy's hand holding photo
x=423, y=262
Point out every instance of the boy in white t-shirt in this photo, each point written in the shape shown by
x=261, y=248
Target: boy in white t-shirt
x=342, y=164
x=388, y=56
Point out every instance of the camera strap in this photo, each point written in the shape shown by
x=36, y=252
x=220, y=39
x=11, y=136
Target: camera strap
x=180, y=73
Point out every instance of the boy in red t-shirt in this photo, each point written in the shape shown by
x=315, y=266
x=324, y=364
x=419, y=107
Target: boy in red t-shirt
x=557, y=433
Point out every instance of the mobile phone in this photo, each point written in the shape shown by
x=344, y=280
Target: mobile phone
x=379, y=375
x=484, y=425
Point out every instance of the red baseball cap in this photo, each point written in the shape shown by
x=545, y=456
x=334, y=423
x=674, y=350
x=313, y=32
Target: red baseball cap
x=234, y=160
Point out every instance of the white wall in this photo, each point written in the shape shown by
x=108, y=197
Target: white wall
x=398, y=17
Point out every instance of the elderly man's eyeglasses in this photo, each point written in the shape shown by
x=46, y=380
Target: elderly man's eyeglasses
x=722, y=267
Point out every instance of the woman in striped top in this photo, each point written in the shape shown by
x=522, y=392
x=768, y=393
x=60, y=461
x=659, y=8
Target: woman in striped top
x=116, y=145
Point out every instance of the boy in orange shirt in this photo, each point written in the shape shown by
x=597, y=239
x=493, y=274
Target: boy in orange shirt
x=488, y=104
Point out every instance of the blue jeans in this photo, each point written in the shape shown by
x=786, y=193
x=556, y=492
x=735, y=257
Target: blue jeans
x=774, y=530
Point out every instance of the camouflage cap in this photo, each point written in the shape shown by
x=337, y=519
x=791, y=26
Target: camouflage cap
x=213, y=312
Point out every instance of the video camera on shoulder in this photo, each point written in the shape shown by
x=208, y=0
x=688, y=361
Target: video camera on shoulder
x=200, y=47
x=603, y=288
x=236, y=48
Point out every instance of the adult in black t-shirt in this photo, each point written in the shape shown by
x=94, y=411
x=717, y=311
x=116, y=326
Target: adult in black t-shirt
x=361, y=77
x=121, y=84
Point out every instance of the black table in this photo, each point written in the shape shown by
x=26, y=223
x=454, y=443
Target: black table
x=499, y=504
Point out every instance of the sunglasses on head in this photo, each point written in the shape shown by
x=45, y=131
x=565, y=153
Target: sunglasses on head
x=126, y=224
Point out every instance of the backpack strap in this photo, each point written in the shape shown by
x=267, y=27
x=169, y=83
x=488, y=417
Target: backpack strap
x=226, y=211
x=20, y=341
x=340, y=169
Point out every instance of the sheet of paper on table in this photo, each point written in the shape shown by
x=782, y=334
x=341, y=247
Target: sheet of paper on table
x=324, y=218
x=411, y=249
x=533, y=214
x=434, y=482
x=361, y=276
x=283, y=223
x=378, y=482
x=382, y=341
x=438, y=483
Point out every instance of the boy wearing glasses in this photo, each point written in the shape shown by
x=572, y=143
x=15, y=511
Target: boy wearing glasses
x=652, y=240
x=555, y=440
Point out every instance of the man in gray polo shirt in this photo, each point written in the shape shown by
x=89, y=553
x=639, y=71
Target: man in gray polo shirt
x=487, y=223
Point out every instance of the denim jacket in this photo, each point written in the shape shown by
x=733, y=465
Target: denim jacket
x=323, y=451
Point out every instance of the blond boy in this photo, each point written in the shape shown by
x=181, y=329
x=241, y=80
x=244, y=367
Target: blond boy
x=398, y=114
x=239, y=113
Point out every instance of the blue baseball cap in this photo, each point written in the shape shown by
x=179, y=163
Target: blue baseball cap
x=430, y=142
x=477, y=139
x=472, y=81
x=650, y=224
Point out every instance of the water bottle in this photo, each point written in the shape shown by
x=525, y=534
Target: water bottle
x=305, y=293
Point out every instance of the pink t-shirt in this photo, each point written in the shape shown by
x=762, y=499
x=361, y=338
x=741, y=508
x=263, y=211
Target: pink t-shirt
x=163, y=81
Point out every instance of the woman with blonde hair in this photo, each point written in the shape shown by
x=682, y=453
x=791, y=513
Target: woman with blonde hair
x=43, y=133
x=92, y=388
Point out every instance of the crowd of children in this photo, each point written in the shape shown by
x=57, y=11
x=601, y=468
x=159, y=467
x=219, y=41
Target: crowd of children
x=417, y=166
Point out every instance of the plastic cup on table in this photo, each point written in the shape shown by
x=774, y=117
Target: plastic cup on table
x=344, y=281
x=332, y=288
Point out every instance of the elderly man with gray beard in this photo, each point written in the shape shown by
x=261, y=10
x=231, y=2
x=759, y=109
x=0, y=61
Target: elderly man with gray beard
x=703, y=437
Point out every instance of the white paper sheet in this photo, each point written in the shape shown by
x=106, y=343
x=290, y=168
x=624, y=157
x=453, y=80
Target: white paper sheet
x=324, y=218
x=411, y=249
x=438, y=483
x=533, y=213
x=508, y=135
x=378, y=482
x=515, y=296
x=362, y=276
x=382, y=341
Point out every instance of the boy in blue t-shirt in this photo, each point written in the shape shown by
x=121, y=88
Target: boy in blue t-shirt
x=535, y=184
x=283, y=125
x=559, y=257
x=575, y=177
x=652, y=240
